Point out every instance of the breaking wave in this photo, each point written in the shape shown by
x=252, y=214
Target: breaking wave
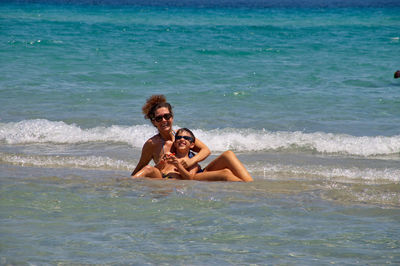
x=240, y=140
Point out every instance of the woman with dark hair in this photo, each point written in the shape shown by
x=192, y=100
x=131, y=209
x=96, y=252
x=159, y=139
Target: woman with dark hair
x=159, y=111
x=170, y=165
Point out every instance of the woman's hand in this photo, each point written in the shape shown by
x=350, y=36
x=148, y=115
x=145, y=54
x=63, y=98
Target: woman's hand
x=161, y=164
x=170, y=158
x=187, y=163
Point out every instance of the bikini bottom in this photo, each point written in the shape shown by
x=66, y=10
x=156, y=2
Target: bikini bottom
x=166, y=176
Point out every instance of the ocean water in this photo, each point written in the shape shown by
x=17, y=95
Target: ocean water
x=303, y=93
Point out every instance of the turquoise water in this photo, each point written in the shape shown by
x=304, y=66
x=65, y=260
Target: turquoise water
x=305, y=96
x=279, y=69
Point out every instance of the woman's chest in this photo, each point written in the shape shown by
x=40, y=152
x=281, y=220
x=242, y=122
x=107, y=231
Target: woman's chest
x=163, y=148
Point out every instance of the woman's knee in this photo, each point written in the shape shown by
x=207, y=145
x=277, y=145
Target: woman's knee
x=228, y=154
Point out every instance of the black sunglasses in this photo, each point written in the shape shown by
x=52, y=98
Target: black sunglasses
x=190, y=139
x=160, y=117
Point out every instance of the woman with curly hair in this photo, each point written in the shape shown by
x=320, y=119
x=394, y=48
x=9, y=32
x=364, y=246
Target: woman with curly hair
x=160, y=113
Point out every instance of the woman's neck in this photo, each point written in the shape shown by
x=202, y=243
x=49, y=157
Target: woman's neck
x=166, y=135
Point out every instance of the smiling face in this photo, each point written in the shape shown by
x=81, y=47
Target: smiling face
x=163, y=119
x=183, y=142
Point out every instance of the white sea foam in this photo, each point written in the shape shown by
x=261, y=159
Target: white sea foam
x=259, y=169
x=251, y=140
x=87, y=162
x=44, y=131
x=329, y=172
x=242, y=140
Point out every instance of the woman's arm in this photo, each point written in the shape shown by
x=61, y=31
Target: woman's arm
x=202, y=153
x=186, y=174
x=145, y=157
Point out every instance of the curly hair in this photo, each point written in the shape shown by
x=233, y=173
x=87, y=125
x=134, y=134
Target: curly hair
x=153, y=103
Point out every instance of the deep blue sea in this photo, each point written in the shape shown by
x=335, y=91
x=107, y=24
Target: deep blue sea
x=303, y=92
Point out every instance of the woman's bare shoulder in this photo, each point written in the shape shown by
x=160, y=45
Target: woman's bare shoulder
x=154, y=141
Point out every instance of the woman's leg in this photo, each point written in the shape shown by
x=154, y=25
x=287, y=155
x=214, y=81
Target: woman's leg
x=148, y=171
x=228, y=160
x=218, y=175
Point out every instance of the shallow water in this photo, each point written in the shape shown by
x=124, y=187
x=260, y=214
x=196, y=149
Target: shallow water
x=73, y=220
x=88, y=218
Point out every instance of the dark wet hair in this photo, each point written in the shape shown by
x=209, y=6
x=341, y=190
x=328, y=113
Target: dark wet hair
x=153, y=103
x=184, y=129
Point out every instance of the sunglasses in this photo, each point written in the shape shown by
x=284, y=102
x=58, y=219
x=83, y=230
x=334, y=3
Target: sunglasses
x=160, y=117
x=190, y=139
